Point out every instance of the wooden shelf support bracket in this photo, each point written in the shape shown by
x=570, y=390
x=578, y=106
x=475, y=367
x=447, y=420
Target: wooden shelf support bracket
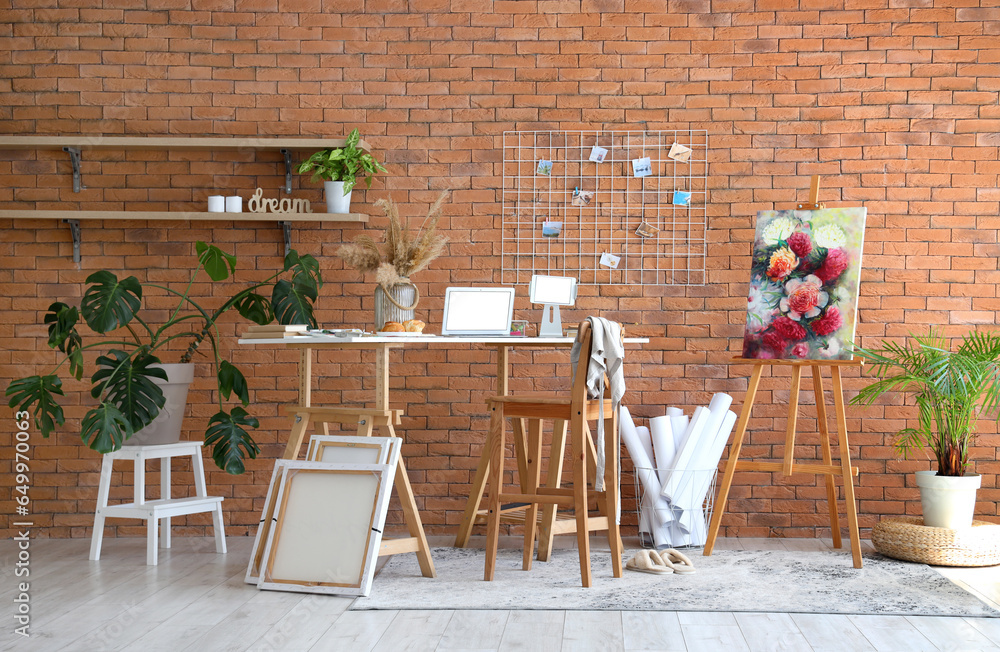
x=74, y=229
x=287, y=153
x=74, y=158
x=286, y=230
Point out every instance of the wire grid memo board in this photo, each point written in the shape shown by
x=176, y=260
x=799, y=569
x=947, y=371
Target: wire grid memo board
x=607, y=223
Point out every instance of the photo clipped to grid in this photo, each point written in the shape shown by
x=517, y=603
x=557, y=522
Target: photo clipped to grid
x=608, y=207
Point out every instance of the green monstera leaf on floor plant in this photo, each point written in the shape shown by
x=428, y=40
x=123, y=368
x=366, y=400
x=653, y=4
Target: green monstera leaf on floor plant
x=105, y=428
x=230, y=442
x=36, y=394
x=109, y=303
x=127, y=383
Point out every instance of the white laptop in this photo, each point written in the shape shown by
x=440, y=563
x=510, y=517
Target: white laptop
x=485, y=312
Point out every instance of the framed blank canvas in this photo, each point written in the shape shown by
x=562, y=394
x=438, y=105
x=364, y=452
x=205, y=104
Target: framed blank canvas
x=349, y=449
x=266, y=517
x=327, y=527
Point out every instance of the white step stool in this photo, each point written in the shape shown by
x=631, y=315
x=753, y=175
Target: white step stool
x=154, y=510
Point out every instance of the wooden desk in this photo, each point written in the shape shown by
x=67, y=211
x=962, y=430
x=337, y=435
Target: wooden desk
x=382, y=345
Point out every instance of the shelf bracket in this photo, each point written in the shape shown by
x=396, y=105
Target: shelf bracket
x=74, y=229
x=286, y=228
x=288, y=170
x=74, y=157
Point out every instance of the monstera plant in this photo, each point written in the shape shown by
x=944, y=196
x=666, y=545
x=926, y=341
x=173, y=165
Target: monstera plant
x=124, y=381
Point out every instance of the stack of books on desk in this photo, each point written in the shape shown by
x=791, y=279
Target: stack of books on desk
x=275, y=331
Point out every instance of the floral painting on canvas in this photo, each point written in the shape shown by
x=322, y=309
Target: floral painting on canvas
x=804, y=284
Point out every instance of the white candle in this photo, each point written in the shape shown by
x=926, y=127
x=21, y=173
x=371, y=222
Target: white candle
x=216, y=204
x=234, y=204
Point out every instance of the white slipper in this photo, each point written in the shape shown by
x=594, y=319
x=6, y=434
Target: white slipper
x=647, y=561
x=677, y=561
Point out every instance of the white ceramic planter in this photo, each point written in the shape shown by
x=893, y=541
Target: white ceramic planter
x=166, y=427
x=948, y=501
x=336, y=200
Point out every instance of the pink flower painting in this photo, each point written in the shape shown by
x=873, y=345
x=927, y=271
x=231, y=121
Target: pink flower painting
x=804, y=284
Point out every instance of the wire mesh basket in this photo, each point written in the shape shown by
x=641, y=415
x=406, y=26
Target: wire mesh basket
x=679, y=514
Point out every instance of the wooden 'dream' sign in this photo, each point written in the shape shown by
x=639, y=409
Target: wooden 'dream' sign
x=259, y=204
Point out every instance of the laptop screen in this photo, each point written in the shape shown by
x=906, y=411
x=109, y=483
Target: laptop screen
x=477, y=311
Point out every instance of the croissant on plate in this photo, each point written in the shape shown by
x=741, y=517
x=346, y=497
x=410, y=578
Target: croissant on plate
x=413, y=326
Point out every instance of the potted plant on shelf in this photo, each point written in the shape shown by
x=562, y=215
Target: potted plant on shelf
x=138, y=398
x=954, y=389
x=402, y=255
x=340, y=169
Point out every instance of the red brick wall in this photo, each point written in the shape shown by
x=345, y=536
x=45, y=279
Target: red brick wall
x=895, y=102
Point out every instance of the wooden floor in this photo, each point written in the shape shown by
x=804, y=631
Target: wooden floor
x=196, y=600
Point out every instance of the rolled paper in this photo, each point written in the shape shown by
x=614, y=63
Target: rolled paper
x=646, y=439
x=689, y=457
x=641, y=461
x=663, y=446
x=216, y=204
x=234, y=204
x=681, y=457
x=678, y=425
x=674, y=412
x=709, y=461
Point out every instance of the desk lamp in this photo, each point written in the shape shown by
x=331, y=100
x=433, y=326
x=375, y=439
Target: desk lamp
x=552, y=292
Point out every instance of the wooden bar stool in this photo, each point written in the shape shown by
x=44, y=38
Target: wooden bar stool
x=576, y=410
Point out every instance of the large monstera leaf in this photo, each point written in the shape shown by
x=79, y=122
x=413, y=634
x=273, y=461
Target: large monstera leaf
x=105, y=428
x=304, y=267
x=230, y=442
x=216, y=262
x=109, y=303
x=62, y=320
x=36, y=394
x=292, y=301
x=127, y=383
x=232, y=380
x=256, y=308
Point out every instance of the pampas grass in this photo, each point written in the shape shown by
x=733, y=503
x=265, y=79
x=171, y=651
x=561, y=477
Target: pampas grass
x=402, y=254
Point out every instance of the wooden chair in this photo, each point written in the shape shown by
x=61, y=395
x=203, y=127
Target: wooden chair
x=576, y=410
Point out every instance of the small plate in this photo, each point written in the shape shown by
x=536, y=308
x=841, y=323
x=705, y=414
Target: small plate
x=403, y=334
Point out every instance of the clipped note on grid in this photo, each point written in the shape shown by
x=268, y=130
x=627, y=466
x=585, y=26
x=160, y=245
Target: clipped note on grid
x=642, y=167
x=682, y=198
x=598, y=154
x=679, y=153
x=610, y=260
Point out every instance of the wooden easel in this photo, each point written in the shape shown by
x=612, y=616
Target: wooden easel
x=788, y=466
x=367, y=419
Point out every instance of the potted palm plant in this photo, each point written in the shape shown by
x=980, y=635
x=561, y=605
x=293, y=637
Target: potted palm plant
x=139, y=397
x=340, y=169
x=954, y=389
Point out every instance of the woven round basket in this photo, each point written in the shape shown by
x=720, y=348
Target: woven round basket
x=906, y=537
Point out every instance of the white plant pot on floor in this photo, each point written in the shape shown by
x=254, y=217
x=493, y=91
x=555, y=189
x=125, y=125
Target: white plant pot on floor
x=336, y=200
x=166, y=427
x=948, y=501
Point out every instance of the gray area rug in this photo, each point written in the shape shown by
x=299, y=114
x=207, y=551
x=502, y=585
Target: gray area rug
x=729, y=580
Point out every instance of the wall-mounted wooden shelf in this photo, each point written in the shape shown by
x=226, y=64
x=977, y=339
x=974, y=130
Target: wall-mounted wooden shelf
x=76, y=145
x=170, y=142
x=183, y=215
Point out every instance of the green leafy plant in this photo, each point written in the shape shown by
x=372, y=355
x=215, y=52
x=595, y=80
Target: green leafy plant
x=954, y=389
x=128, y=398
x=346, y=164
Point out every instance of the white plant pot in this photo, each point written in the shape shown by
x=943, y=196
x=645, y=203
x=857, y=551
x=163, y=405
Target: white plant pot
x=166, y=427
x=948, y=501
x=336, y=200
